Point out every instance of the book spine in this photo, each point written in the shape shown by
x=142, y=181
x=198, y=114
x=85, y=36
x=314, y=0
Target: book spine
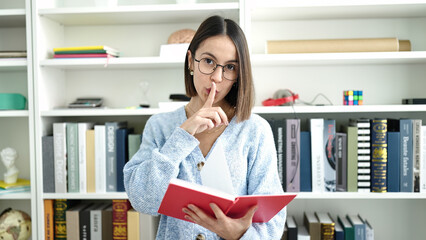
x=72, y=158
x=364, y=155
x=100, y=159
x=133, y=223
x=84, y=224
x=293, y=155
x=406, y=168
x=305, y=162
x=60, y=153
x=82, y=128
x=329, y=161
x=327, y=231
x=352, y=155
x=333, y=45
x=134, y=141
x=417, y=124
x=423, y=160
x=48, y=162
x=49, y=227
x=111, y=156
x=95, y=224
x=90, y=180
x=394, y=153
x=379, y=156
x=60, y=207
x=119, y=218
x=341, y=162
x=317, y=151
x=279, y=126
x=122, y=156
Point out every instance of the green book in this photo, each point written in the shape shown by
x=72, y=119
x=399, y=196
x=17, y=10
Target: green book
x=352, y=151
x=60, y=207
x=134, y=143
x=72, y=158
x=348, y=229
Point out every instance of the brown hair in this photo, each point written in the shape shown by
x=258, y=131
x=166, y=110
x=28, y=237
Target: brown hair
x=241, y=95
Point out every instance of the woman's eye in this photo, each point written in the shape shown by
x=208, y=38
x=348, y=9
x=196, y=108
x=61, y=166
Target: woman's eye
x=230, y=67
x=208, y=61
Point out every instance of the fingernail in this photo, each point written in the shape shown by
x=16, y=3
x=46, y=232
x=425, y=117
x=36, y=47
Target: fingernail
x=190, y=206
x=184, y=210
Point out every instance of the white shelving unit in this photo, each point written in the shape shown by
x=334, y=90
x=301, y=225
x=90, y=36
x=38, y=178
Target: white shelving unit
x=139, y=30
x=17, y=126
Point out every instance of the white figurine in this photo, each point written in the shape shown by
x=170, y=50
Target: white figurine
x=8, y=157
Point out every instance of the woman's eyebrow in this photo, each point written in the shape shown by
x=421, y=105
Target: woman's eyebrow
x=213, y=56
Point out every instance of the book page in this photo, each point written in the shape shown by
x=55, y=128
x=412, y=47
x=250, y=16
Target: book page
x=215, y=173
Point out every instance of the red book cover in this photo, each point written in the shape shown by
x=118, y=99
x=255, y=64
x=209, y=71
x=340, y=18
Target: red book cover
x=83, y=55
x=181, y=193
x=119, y=218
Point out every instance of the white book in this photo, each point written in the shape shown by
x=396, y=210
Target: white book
x=302, y=233
x=317, y=154
x=423, y=160
x=148, y=226
x=60, y=155
x=100, y=159
x=82, y=128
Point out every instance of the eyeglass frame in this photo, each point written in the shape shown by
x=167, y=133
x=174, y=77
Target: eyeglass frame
x=214, y=69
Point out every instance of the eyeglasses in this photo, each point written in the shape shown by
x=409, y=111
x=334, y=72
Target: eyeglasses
x=208, y=66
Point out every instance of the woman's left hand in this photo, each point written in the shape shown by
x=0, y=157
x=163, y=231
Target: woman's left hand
x=226, y=227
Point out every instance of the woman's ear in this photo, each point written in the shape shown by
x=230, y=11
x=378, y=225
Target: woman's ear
x=190, y=61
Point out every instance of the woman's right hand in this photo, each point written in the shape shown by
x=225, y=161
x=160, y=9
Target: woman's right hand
x=207, y=117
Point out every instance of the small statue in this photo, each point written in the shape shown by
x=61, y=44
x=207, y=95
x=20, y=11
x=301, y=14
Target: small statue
x=8, y=157
x=15, y=225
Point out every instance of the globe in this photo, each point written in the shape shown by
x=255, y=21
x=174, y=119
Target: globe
x=15, y=225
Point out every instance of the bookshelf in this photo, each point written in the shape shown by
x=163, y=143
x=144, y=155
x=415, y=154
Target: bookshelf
x=138, y=30
x=17, y=126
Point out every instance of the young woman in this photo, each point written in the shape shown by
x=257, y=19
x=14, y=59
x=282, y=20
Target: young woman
x=218, y=79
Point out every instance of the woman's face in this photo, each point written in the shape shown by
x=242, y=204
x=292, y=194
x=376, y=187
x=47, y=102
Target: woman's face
x=221, y=50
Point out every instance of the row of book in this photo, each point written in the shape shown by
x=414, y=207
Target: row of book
x=20, y=186
x=87, y=157
x=13, y=54
x=114, y=219
x=86, y=52
x=321, y=226
x=367, y=155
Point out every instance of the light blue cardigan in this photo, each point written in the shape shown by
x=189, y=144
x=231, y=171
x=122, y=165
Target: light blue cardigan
x=167, y=152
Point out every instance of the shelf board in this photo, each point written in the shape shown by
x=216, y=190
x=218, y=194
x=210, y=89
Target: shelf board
x=337, y=9
x=12, y=64
x=14, y=113
x=356, y=195
x=356, y=58
x=16, y=196
x=161, y=13
x=113, y=63
x=101, y=112
x=12, y=18
x=109, y=195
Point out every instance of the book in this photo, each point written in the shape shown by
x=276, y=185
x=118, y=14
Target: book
x=339, y=233
x=358, y=225
x=277, y=127
x=329, y=135
x=15, y=190
x=20, y=182
x=111, y=154
x=326, y=225
x=313, y=225
x=332, y=45
x=369, y=231
x=148, y=226
x=119, y=218
x=82, y=127
x=83, y=48
x=89, y=150
x=13, y=54
x=133, y=223
x=84, y=55
x=317, y=154
x=122, y=155
x=73, y=178
x=302, y=233
x=291, y=228
x=340, y=148
x=134, y=140
x=352, y=155
x=100, y=159
x=111, y=52
x=305, y=162
x=406, y=164
x=363, y=153
x=423, y=161
x=347, y=228
x=417, y=125
x=73, y=221
x=49, y=226
x=48, y=161
x=394, y=156
x=292, y=155
x=60, y=153
x=414, y=101
x=181, y=193
x=99, y=221
x=60, y=206
x=84, y=221
x=379, y=155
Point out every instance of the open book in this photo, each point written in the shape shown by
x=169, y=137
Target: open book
x=181, y=193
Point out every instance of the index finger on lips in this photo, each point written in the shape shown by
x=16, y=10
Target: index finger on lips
x=210, y=99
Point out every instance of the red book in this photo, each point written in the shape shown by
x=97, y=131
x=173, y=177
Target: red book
x=181, y=193
x=119, y=218
x=83, y=55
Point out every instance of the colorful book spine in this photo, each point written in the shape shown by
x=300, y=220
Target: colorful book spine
x=317, y=154
x=49, y=226
x=305, y=162
x=364, y=153
x=84, y=55
x=379, y=156
x=329, y=157
x=90, y=181
x=72, y=158
x=358, y=225
x=406, y=168
x=83, y=48
x=119, y=218
x=417, y=125
x=292, y=155
x=60, y=207
x=341, y=162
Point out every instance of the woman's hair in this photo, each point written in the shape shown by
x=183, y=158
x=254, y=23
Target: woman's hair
x=241, y=95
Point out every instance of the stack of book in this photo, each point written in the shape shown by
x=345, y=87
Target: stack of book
x=13, y=54
x=21, y=185
x=85, y=52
